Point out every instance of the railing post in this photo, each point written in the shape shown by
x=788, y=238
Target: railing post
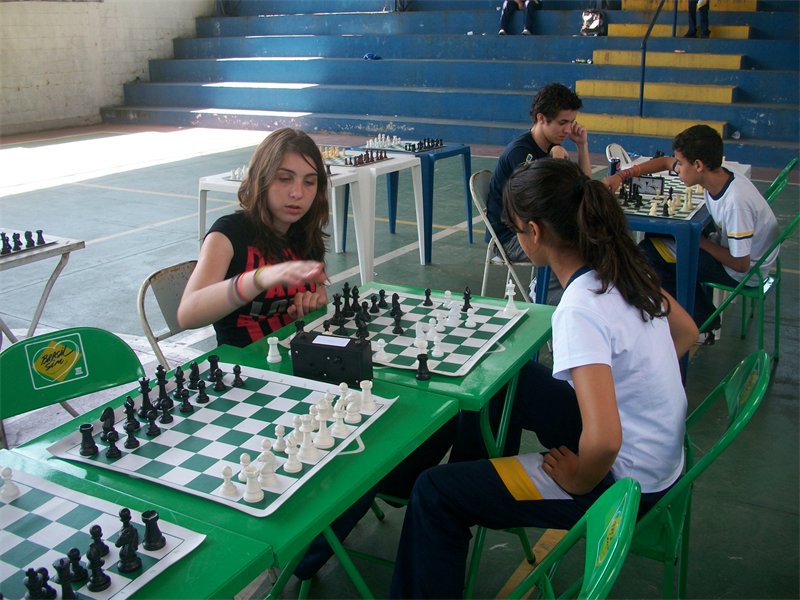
x=644, y=52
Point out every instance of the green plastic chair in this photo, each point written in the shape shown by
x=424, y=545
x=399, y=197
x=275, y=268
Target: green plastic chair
x=777, y=185
x=62, y=365
x=756, y=293
x=663, y=533
x=608, y=528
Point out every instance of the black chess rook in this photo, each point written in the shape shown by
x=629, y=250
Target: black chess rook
x=153, y=538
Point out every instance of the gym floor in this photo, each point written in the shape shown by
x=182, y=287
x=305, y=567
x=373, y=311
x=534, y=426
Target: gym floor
x=131, y=195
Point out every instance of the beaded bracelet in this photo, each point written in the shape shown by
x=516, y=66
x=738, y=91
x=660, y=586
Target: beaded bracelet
x=255, y=276
x=239, y=299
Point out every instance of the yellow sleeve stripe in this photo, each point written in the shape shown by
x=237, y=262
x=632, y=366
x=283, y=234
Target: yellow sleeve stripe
x=741, y=235
x=516, y=479
x=663, y=250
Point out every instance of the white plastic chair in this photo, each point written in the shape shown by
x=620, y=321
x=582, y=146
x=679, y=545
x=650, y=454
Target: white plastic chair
x=167, y=286
x=479, y=188
x=617, y=151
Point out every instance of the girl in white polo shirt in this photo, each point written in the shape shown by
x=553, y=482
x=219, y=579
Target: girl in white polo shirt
x=612, y=407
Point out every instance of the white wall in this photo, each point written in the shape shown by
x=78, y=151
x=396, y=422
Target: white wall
x=60, y=61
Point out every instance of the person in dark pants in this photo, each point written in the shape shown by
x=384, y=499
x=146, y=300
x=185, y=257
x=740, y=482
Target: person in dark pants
x=508, y=9
x=698, y=7
x=612, y=407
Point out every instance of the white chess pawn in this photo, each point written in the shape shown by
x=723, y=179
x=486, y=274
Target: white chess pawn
x=344, y=392
x=252, y=491
x=273, y=355
x=437, y=351
x=431, y=328
x=439, y=321
x=419, y=331
x=9, y=489
x=244, y=461
x=313, y=410
x=380, y=353
x=339, y=429
x=470, y=322
x=266, y=476
x=448, y=298
x=280, y=441
x=266, y=456
x=421, y=346
x=352, y=415
x=292, y=464
x=367, y=401
x=228, y=487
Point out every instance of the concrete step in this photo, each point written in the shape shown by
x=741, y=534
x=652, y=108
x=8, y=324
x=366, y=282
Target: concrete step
x=715, y=6
x=608, y=123
x=675, y=92
x=637, y=30
x=682, y=60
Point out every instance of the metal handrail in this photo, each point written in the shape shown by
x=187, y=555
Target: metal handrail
x=644, y=46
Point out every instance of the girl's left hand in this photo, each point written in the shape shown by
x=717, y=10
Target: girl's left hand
x=562, y=465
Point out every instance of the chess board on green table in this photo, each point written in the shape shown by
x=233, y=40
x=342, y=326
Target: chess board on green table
x=678, y=188
x=191, y=452
x=462, y=347
x=45, y=520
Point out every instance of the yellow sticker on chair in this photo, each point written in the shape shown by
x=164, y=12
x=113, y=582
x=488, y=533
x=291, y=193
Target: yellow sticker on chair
x=56, y=361
x=608, y=538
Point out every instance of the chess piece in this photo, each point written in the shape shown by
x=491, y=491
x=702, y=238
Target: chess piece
x=252, y=491
x=237, y=377
x=352, y=414
x=202, y=395
x=88, y=447
x=144, y=388
x=423, y=373
x=470, y=322
x=98, y=580
x=185, y=407
x=194, y=375
x=427, y=301
x=437, y=351
x=130, y=414
x=228, y=487
x=47, y=590
x=510, y=308
x=219, y=384
x=128, y=543
x=33, y=582
x=467, y=297
x=96, y=532
x=244, y=462
x=380, y=354
x=113, y=452
x=374, y=308
x=131, y=441
x=367, y=401
x=61, y=567
x=307, y=452
x=152, y=429
x=107, y=418
x=9, y=489
x=382, y=299
x=78, y=572
x=292, y=464
x=397, y=330
x=166, y=416
x=280, y=441
x=266, y=476
x=213, y=366
x=153, y=538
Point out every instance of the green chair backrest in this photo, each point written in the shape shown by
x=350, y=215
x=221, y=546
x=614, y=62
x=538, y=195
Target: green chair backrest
x=755, y=271
x=659, y=532
x=607, y=526
x=61, y=365
x=779, y=182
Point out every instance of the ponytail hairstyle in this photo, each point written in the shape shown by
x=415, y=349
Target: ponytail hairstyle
x=582, y=214
x=306, y=237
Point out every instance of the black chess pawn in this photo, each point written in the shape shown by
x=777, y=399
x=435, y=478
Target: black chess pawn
x=374, y=308
x=382, y=299
x=130, y=428
x=427, y=301
x=78, y=572
x=64, y=578
x=219, y=384
x=40, y=238
x=213, y=365
x=153, y=538
x=97, y=540
x=202, y=395
x=194, y=375
x=299, y=327
x=152, y=429
x=398, y=329
x=98, y=580
x=186, y=406
x=237, y=376
x=423, y=373
x=107, y=418
x=130, y=414
x=354, y=296
x=113, y=450
x=166, y=416
x=365, y=311
x=48, y=591
x=326, y=325
x=88, y=446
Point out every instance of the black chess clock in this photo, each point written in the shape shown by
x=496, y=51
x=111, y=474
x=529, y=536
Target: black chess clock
x=652, y=186
x=331, y=358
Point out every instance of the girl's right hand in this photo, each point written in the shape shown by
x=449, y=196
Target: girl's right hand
x=291, y=273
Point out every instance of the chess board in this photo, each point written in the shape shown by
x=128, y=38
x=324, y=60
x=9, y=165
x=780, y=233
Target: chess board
x=462, y=347
x=42, y=523
x=192, y=451
x=678, y=189
x=351, y=158
x=8, y=236
x=394, y=144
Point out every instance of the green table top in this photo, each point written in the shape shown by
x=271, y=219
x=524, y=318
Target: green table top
x=476, y=388
x=210, y=571
x=414, y=416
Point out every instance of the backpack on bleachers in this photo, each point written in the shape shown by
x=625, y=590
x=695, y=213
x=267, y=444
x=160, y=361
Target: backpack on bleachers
x=593, y=22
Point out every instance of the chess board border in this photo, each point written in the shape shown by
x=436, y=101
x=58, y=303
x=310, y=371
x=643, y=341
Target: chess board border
x=187, y=540
x=467, y=366
x=68, y=447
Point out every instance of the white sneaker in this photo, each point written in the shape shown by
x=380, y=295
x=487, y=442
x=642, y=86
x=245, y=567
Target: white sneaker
x=501, y=32
x=525, y=32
